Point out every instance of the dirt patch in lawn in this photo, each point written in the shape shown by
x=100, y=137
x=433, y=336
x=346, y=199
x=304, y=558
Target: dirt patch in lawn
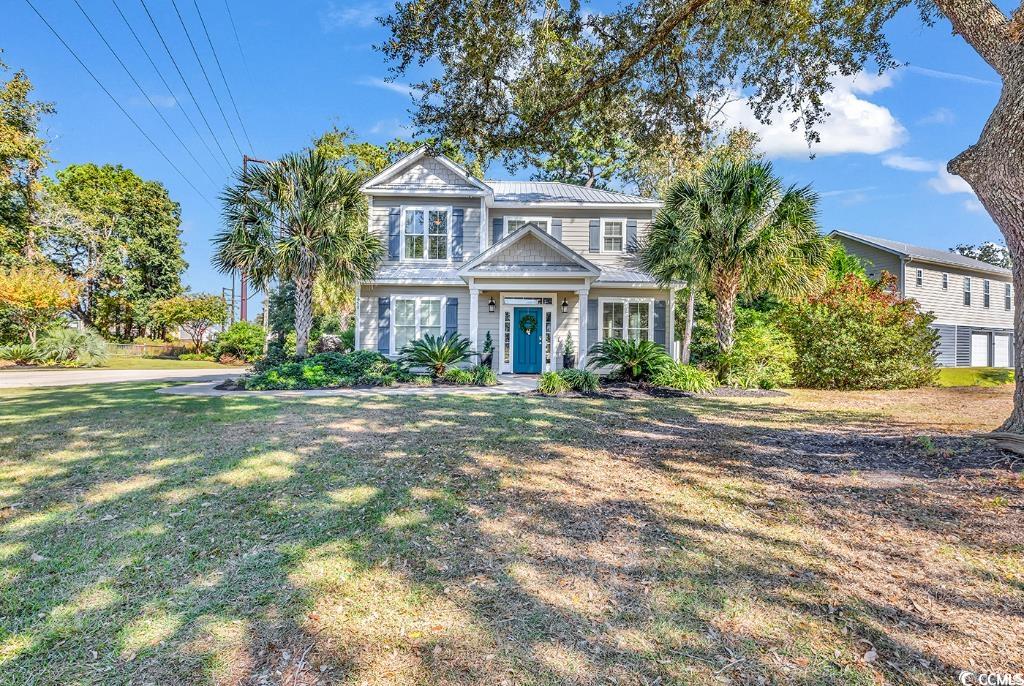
x=817, y=538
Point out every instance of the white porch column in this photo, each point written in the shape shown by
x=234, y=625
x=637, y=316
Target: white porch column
x=474, y=317
x=670, y=325
x=355, y=345
x=581, y=343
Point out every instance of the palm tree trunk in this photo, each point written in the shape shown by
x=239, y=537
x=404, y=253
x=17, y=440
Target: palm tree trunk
x=303, y=314
x=725, y=287
x=266, y=319
x=688, y=327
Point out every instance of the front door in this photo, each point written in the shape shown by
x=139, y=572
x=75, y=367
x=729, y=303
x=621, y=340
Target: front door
x=526, y=348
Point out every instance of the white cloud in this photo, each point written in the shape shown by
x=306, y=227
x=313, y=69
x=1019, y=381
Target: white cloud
x=974, y=205
x=942, y=182
x=164, y=102
x=392, y=128
x=940, y=115
x=950, y=76
x=854, y=125
x=402, y=88
x=362, y=16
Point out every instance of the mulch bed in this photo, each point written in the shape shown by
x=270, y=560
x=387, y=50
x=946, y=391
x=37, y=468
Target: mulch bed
x=625, y=390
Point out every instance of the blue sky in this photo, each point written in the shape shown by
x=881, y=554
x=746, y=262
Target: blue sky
x=310, y=64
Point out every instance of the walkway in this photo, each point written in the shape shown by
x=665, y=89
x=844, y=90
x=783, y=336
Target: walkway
x=509, y=385
x=35, y=378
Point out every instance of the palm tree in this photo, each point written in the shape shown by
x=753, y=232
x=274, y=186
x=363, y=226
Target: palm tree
x=734, y=228
x=298, y=219
x=662, y=259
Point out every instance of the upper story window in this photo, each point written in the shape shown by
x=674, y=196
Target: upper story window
x=945, y=282
x=1007, y=300
x=967, y=291
x=985, y=291
x=627, y=319
x=919, y=277
x=425, y=233
x=613, y=235
x=513, y=224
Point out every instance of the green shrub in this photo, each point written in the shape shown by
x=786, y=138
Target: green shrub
x=580, y=380
x=437, y=353
x=762, y=356
x=423, y=380
x=859, y=335
x=73, y=348
x=633, y=360
x=20, y=353
x=552, y=383
x=685, y=377
x=196, y=357
x=484, y=376
x=459, y=377
x=243, y=340
x=329, y=370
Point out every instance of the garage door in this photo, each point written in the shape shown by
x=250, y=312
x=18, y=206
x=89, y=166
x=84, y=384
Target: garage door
x=979, y=349
x=1002, y=350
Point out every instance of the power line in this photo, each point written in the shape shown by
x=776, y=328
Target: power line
x=163, y=80
x=222, y=77
x=141, y=89
x=184, y=82
x=118, y=104
x=238, y=42
x=206, y=76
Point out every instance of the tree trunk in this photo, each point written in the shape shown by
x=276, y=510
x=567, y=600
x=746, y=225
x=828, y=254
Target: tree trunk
x=303, y=314
x=726, y=286
x=994, y=167
x=688, y=327
x=266, y=320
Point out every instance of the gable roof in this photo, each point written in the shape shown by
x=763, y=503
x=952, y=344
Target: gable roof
x=556, y=193
x=572, y=258
x=412, y=158
x=917, y=252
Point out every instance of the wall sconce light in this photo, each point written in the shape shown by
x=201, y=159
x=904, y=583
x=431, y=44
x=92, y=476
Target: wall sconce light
x=565, y=305
x=490, y=304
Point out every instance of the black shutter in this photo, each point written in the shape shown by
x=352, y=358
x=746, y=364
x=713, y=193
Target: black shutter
x=394, y=233
x=384, y=325
x=497, y=226
x=631, y=242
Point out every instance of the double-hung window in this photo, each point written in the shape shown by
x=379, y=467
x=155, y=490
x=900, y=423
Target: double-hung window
x=1007, y=300
x=945, y=282
x=513, y=224
x=613, y=235
x=627, y=319
x=967, y=291
x=425, y=233
x=919, y=277
x=985, y=292
x=414, y=318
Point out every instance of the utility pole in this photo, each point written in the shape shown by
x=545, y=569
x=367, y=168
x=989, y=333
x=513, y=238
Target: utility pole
x=244, y=285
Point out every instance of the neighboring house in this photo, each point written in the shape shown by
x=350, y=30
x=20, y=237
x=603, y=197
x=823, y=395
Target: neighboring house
x=972, y=300
x=529, y=262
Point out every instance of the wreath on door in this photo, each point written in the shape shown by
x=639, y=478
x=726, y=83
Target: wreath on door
x=528, y=324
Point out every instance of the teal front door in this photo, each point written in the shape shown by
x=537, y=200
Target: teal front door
x=526, y=348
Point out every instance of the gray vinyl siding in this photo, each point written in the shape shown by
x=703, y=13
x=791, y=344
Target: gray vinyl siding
x=576, y=228
x=369, y=299
x=945, y=353
x=875, y=259
x=381, y=205
x=948, y=305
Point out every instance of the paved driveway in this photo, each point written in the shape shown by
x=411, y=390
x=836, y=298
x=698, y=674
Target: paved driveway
x=75, y=377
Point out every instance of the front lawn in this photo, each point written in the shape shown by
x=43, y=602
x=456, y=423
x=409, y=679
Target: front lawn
x=974, y=376
x=820, y=538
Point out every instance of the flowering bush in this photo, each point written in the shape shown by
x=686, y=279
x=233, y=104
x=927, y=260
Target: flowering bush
x=861, y=335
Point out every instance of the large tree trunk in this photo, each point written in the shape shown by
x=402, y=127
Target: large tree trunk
x=994, y=167
x=688, y=327
x=725, y=286
x=303, y=314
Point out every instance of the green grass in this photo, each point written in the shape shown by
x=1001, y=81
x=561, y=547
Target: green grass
x=147, y=538
x=160, y=363
x=974, y=376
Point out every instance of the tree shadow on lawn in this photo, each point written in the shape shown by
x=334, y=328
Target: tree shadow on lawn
x=472, y=540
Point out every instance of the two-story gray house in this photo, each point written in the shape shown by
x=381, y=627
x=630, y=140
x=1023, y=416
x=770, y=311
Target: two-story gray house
x=972, y=300
x=531, y=263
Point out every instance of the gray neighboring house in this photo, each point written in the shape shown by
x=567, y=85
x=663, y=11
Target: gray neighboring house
x=972, y=300
x=531, y=263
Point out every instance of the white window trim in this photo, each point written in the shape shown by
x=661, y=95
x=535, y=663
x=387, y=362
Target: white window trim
x=625, y=315
x=392, y=341
x=523, y=218
x=919, y=277
x=945, y=281
x=967, y=292
x=986, y=293
x=425, y=209
x=1007, y=297
x=625, y=235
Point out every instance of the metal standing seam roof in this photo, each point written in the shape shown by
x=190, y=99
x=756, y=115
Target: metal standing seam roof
x=926, y=254
x=554, y=191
